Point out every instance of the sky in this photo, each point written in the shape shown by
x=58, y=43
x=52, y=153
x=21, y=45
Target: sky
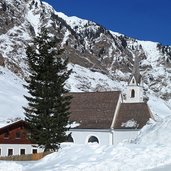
x=140, y=19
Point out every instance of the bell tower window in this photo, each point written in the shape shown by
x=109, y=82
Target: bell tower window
x=133, y=81
x=132, y=93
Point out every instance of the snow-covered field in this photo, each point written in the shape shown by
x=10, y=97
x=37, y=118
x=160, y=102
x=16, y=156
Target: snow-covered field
x=150, y=151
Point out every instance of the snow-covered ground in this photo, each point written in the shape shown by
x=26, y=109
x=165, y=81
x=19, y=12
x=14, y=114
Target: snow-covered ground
x=150, y=151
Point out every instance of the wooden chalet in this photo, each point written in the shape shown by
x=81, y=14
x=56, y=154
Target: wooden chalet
x=14, y=140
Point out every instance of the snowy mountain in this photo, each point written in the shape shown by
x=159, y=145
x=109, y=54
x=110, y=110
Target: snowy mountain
x=100, y=59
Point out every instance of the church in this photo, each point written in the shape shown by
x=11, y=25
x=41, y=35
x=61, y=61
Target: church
x=109, y=117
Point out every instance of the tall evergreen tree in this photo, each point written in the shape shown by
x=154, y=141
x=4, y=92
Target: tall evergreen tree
x=48, y=104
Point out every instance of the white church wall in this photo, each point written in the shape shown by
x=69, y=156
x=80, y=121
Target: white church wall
x=104, y=137
x=82, y=136
x=121, y=135
x=16, y=149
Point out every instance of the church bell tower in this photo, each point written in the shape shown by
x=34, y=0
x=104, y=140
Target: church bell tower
x=134, y=93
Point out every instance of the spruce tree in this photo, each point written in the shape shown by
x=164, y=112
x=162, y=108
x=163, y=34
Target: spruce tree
x=47, y=112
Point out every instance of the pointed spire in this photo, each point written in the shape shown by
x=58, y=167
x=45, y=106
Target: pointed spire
x=136, y=70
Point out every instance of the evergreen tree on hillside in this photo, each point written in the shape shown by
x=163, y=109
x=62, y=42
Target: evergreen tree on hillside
x=48, y=104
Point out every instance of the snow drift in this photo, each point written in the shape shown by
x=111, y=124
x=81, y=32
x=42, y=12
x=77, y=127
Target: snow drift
x=149, y=151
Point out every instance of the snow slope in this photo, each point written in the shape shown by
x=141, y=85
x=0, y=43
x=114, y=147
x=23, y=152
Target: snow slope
x=11, y=96
x=150, y=151
x=93, y=157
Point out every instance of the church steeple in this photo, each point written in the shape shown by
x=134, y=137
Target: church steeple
x=136, y=77
x=134, y=90
x=136, y=71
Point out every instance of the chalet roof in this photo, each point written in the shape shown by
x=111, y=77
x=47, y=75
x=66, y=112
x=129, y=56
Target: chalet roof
x=132, y=115
x=11, y=130
x=94, y=110
x=12, y=126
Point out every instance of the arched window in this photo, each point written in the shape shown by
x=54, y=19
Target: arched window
x=132, y=93
x=93, y=139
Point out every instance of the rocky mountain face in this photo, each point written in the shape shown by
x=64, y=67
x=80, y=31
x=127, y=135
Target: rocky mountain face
x=88, y=45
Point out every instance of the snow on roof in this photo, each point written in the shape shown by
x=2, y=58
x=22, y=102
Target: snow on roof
x=132, y=114
x=5, y=123
x=130, y=124
x=73, y=125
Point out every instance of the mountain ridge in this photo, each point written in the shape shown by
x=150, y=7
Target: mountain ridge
x=101, y=59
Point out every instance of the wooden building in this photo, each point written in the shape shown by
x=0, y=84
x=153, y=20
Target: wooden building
x=14, y=140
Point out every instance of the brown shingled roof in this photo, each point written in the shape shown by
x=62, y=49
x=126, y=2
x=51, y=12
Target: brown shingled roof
x=13, y=125
x=94, y=110
x=130, y=113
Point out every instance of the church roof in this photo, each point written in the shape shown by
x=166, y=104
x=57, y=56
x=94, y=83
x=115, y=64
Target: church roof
x=132, y=116
x=94, y=110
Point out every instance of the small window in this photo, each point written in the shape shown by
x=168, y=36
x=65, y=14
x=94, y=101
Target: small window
x=133, y=81
x=34, y=151
x=0, y=152
x=10, y=152
x=132, y=93
x=22, y=151
x=18, y=135
x=6, y=135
